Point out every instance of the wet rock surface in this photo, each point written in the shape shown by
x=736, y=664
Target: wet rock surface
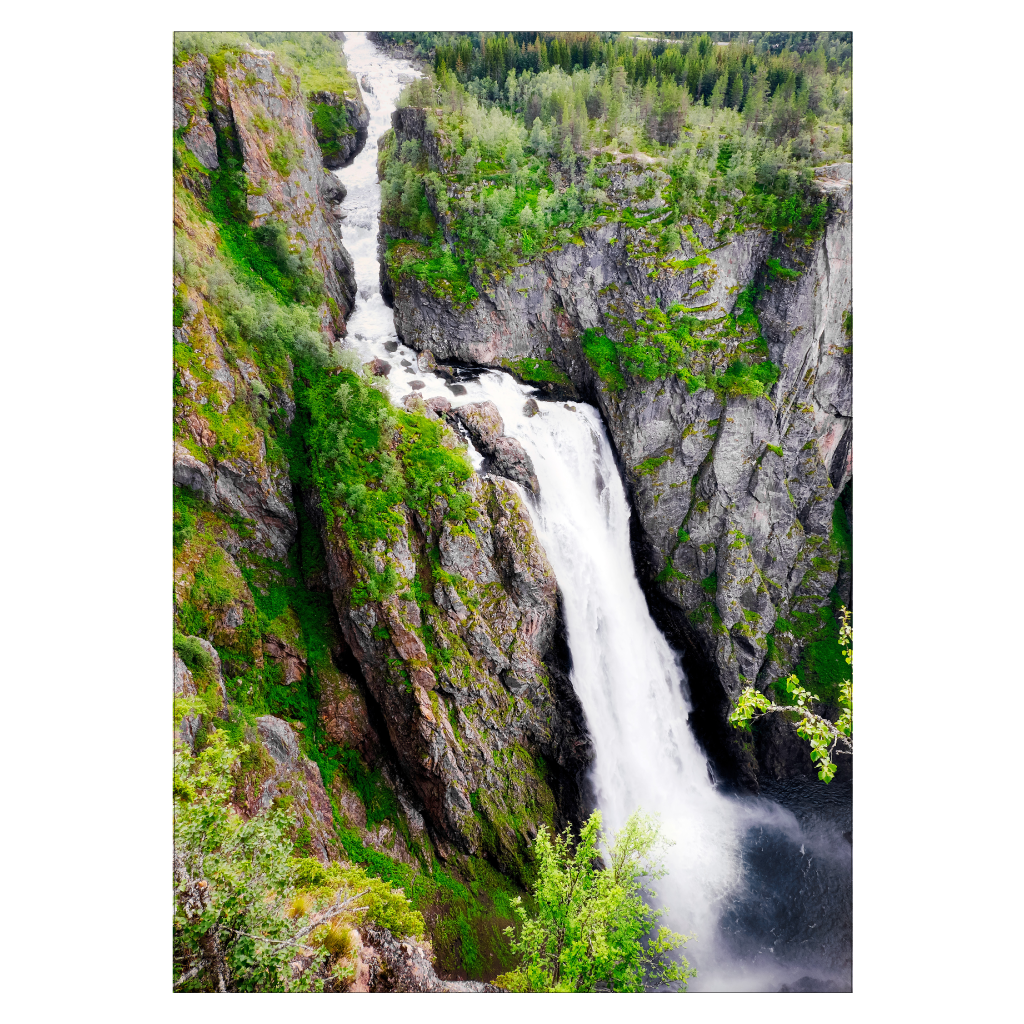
x=506, y=456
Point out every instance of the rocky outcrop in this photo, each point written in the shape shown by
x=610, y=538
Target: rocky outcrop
x=247, y=487
x=504, y=455
x=387, y=964
x=471, y=683
x=282, y=775
x=256, y=113
x=733, y=496
x=340, y=148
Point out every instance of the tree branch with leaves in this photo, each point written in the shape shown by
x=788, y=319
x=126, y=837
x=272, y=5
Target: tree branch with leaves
x=826, y=738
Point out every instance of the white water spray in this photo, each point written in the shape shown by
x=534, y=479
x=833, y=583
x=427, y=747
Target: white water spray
x=630, y=683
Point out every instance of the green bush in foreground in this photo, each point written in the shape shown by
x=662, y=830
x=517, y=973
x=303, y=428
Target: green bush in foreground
x=591, y=925
x=248, y=915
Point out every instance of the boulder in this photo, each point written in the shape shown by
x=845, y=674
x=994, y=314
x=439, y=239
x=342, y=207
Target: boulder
x=290, y=660
x=506, y=455
x=482, y=421
x=510, y=459
x=332, y=188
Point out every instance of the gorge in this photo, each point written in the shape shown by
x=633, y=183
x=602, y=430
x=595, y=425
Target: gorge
x=559, y=624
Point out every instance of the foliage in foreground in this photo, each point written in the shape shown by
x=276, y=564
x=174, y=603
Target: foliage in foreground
x=591, y=925
x=249, y=916
x=823, y=736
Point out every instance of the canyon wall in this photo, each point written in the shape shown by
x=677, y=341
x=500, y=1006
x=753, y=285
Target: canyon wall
x=734, y=497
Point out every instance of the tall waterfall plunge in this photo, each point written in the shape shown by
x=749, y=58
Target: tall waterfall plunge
x=768, y=901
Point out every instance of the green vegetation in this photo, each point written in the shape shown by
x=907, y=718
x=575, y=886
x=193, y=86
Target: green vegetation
x=603, y=356
x=823, y=735
x=659, y=344
x=528, y=126
x=540, y=370
x=318, y=57
x=650, y=466
x=330, y=125
x=670, y=574
x=245, y=907
x=777, y=270
x=592, y=925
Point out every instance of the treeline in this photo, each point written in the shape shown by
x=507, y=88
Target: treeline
x=701, y=62
x=596, y=88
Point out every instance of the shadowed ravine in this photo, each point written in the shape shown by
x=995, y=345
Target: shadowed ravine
x=768, y=896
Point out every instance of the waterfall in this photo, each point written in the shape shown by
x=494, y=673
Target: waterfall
x=767, y=897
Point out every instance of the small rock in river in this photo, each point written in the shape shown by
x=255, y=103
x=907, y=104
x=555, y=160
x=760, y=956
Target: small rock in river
x=391, y=346
x=531, y=408
x=379, y=367
x=456, y=389
x=416, y=384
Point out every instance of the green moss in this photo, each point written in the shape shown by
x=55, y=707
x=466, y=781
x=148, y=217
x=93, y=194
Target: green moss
x=600, y=352
x=822, y=667
x=670, y=574
x=842, y=535
x=445, y=275
x=651, y=466
x=331, y=127
x=539, y=370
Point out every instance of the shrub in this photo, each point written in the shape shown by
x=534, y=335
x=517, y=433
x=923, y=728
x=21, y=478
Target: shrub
x=591, y=925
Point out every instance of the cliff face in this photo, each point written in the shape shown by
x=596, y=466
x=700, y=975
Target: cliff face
x=472, y=685
x=257, y=109
x=436, y=720
x=734, y=495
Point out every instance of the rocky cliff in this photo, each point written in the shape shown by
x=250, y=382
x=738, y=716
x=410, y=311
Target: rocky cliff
x=734, y=494
x=429, y=728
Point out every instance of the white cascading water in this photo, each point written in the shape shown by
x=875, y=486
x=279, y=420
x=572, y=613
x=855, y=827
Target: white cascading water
x=629, y=681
